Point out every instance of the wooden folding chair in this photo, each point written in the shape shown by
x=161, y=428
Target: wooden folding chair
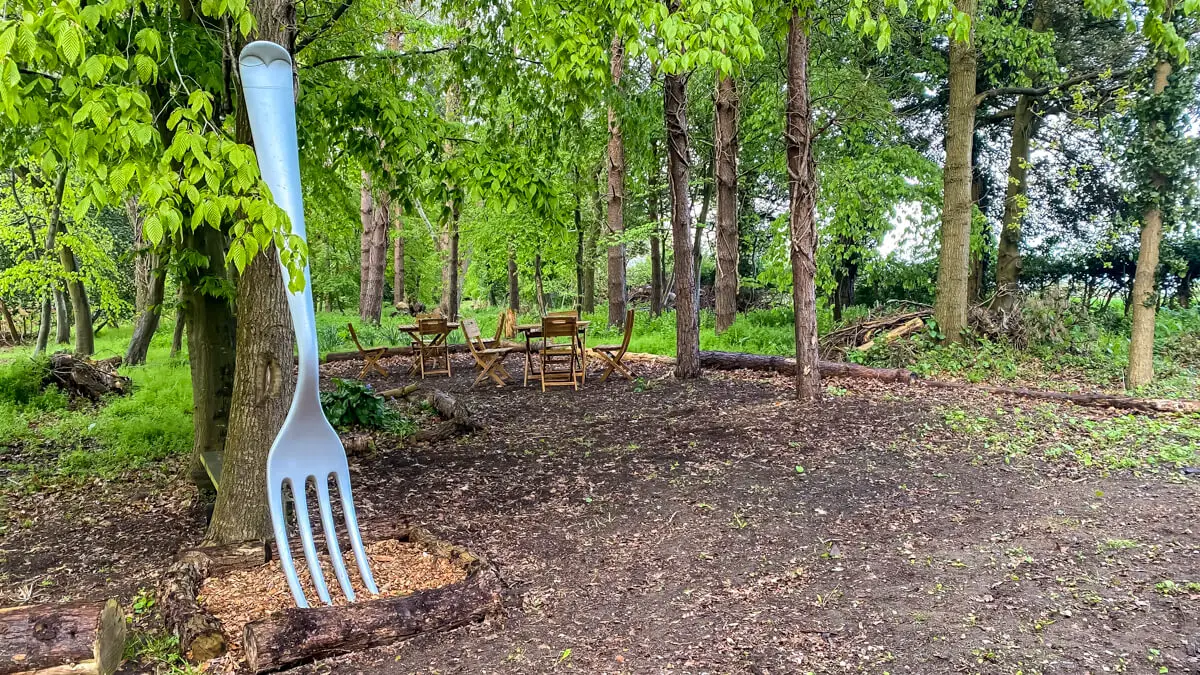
x=489, y=359
x=551, y=352
x=370, y=356
x=431, y=346
x=612, y=354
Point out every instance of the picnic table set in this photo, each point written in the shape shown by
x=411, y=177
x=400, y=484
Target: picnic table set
x=555, y=351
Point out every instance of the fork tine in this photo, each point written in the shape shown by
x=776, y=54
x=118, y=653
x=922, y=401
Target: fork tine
x=279, y=524
x=310, y=546
x=360, y=555
x=331, y=540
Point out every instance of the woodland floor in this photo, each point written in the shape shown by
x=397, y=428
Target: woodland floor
x=667, y=527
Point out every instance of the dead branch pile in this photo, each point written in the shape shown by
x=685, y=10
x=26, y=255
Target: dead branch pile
x=83, y=377
x=865, y=334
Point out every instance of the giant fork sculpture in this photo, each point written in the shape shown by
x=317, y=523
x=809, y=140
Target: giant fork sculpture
x=307, y=446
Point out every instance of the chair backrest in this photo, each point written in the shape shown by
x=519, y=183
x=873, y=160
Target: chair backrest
x=559, y=326
x=431, y=326
x=354, y=336
x=628, y=331
x=569, y=312
x=470, y=329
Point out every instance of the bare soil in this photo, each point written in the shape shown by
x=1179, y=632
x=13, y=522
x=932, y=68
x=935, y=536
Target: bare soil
x=717, y=526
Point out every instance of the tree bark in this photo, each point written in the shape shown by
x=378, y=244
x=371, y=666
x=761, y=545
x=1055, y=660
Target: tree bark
x=616, y=198
x=1144, y=296
x=210, y=337
x=802, y=193
x=950, y=307
x=656, y=251
x=725, y=141
x=514, y=286
x=687, y=319
x=38, y=637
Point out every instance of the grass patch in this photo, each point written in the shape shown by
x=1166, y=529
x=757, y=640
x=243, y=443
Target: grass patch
x=1049, y=431
x=119, y=434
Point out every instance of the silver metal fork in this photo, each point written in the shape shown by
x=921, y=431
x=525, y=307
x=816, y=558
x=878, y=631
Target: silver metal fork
x=307, y=447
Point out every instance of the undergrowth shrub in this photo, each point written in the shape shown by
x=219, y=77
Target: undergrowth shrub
x=22, y=384
x=355, y=404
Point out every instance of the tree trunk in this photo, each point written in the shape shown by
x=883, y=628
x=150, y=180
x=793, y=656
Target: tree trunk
x=180, y=324
x=578, y=248
x=537, y=283
x=145, y=261
x=265, y=375
x=147, y=322
x=263, y=383
x=845, y=277
x=374, y=212
x=725, y=141
x=706, y=193
x=85, y=341
x=616, y=199
x=802, y=193
x=210, y=336
x=60, y=185
x=452, y=299
x=398, y=293
x=589, y=249
x=1144, y=295
x=62, y=319
x=950, y=308
x=687, y=325
x=656, y=257
x=13, y=333
x=1008, y=254
x=514, y=286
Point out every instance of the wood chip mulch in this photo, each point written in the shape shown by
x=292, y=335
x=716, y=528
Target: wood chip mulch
x=399, y=568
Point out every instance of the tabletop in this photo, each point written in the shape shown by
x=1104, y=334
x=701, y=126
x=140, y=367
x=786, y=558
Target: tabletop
x=412, y=328
x=537, y=326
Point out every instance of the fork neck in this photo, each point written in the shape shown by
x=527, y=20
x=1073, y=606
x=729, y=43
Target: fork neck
x=300, y=306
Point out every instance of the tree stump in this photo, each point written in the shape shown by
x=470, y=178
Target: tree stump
x=90, y=635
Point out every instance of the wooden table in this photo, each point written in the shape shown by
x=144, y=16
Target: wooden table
x=414, y=331
x=533, y=331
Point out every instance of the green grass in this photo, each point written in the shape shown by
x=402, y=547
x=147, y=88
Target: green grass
x=1054, y=433
x=119, y=434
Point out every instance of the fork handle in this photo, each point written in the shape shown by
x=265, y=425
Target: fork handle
x=266, y=70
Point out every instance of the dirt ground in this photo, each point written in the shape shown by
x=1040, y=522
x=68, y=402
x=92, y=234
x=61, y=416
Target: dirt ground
x=717, y=526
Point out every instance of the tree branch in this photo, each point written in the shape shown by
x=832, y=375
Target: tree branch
x=333, y=18
x=1042, y=91
x=381, y=55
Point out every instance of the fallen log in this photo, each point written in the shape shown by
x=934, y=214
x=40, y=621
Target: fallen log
x=787, y=366
x=1095, y=399
x=400, y=392
x=199, y=632
x=783, y=365
x=295, y=636
x=459, y=418
x=90, y=635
